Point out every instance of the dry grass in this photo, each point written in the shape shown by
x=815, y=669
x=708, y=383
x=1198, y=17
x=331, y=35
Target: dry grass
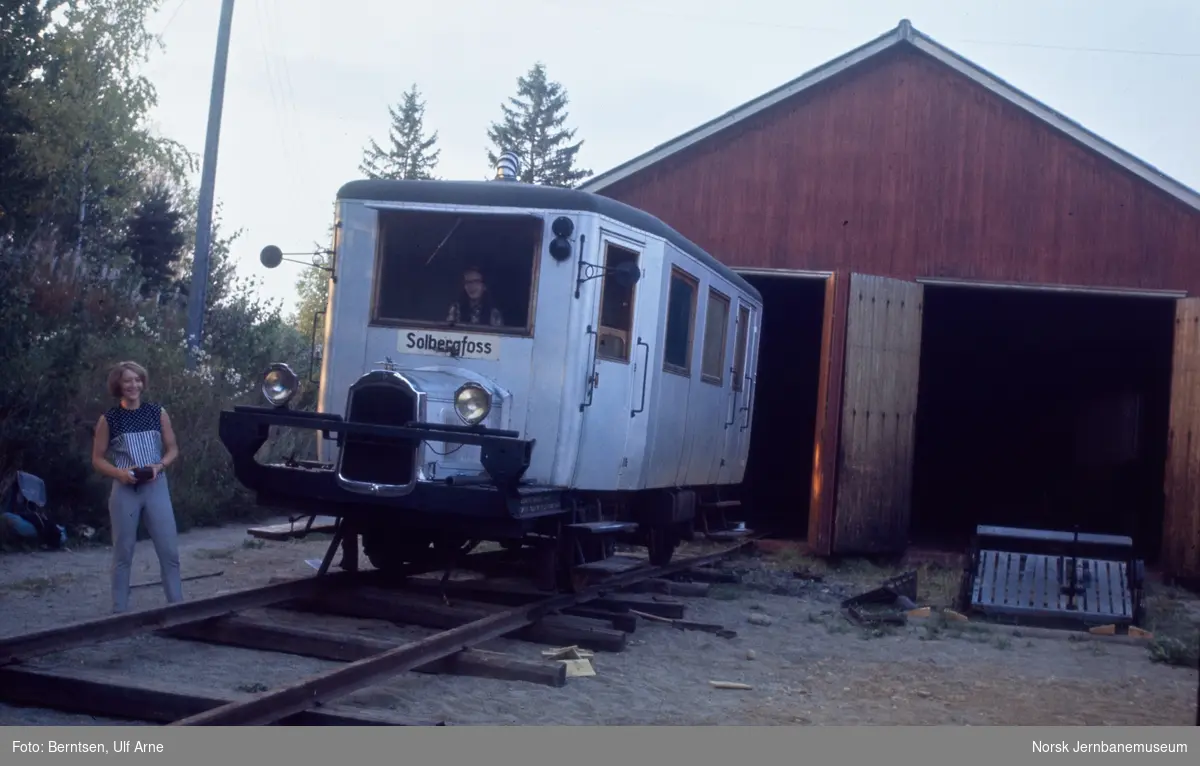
x=937, y=586
x=1173, y=615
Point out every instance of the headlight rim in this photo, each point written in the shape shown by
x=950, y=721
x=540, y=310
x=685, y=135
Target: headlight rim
x=287, y=370
x=487, y=406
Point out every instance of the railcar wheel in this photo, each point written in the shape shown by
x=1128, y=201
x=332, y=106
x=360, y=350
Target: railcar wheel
x=552, y=571
x=387, y=553
x=661, y=545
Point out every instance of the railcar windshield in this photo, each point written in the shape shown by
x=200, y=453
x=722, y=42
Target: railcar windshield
x=457, y=270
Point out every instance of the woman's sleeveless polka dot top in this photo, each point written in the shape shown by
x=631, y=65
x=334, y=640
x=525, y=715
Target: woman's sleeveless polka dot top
x=135, y=436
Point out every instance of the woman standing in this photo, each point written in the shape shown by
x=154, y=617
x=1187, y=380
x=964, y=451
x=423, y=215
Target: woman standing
x=138, y=436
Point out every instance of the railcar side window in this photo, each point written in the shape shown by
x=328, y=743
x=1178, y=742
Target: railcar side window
x=739, y=349
x=616, y=308
x=457, y=270
x=716, y=323
x=681, y=315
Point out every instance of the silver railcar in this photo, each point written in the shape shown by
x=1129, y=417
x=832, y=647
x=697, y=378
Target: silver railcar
x=543, y=367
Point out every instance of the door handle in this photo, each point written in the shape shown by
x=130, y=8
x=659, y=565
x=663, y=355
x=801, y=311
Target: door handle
x=749, y=404
x=733, y=410
x=645, y=371
x=591, y=378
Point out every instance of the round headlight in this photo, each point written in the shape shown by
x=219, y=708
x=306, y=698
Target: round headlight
x=279, y=384
x=472, y=402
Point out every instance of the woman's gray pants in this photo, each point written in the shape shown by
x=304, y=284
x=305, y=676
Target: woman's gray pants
x=150, y=502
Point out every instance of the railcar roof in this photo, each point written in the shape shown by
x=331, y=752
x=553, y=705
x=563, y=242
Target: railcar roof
x=515, y=194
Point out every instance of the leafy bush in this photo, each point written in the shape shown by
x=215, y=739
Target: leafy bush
x=96, y=221
x=57, y=342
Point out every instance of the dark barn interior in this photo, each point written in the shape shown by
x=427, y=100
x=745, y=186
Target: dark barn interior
x=1041, y=409
x=779, y=467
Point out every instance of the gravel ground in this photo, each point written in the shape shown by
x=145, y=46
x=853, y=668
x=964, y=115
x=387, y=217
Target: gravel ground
x=806, y=663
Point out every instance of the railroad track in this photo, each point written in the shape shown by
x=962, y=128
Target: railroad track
x=466, y=613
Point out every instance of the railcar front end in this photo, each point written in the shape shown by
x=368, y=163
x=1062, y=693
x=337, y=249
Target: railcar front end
x=445, y=368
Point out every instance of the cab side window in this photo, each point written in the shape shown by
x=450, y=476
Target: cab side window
x=739, y=348
x=681, y=318
x=716, y=332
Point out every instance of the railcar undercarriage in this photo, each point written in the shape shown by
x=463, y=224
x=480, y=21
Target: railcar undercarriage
x=559, y=550
x=562, y=535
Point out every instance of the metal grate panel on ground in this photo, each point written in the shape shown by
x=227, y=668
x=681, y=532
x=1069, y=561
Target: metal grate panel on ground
x=1026, y=584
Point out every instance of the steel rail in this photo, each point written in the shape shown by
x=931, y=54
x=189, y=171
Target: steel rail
x=271, y=707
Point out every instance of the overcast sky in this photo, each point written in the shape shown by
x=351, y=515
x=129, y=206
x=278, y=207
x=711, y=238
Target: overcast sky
x=310, y=80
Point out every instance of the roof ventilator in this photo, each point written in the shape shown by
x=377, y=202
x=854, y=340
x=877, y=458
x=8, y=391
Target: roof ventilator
x=508, y=167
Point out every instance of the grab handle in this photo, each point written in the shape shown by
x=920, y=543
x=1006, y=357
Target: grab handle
x=645, y=371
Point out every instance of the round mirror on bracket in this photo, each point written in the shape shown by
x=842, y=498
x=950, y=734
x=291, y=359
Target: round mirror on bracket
x=627, y=273
x=271, y=256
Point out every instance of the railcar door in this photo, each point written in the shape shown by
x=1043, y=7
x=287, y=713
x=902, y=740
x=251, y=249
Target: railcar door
x=741, y=394
x=710, y=393
x=615, y=387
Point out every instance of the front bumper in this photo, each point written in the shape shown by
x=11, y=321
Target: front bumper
x=312, y=486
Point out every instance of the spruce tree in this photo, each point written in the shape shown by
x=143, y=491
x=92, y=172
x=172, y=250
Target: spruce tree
x=411, y=154
x=155, y=239
x=532, y=128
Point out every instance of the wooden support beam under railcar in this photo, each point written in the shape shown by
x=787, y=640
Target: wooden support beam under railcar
x=265, y=635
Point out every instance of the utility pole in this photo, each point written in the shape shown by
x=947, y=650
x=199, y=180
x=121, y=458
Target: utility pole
x=208, y=177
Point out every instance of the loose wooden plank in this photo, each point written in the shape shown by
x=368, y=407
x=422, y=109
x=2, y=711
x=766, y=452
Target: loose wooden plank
x=92, y=693
x=321, y=525
x=708, y=576
x=670, y=588
x=624, y=622
x=657, y=605
x=265, y=635
x=189, y=578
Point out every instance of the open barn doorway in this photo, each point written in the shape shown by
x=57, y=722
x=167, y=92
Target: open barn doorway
x=1044, y=409
x=777, y=484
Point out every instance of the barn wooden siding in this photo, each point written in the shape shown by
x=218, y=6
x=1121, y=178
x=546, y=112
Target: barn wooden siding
x=904, y=168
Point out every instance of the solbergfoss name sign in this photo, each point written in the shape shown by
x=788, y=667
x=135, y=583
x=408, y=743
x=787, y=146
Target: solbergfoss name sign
x=456, y=345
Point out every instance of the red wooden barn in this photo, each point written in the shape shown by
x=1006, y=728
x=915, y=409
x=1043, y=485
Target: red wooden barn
x=976, y=311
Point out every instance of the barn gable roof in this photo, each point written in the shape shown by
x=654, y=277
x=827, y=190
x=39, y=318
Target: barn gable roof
x=903, y=35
